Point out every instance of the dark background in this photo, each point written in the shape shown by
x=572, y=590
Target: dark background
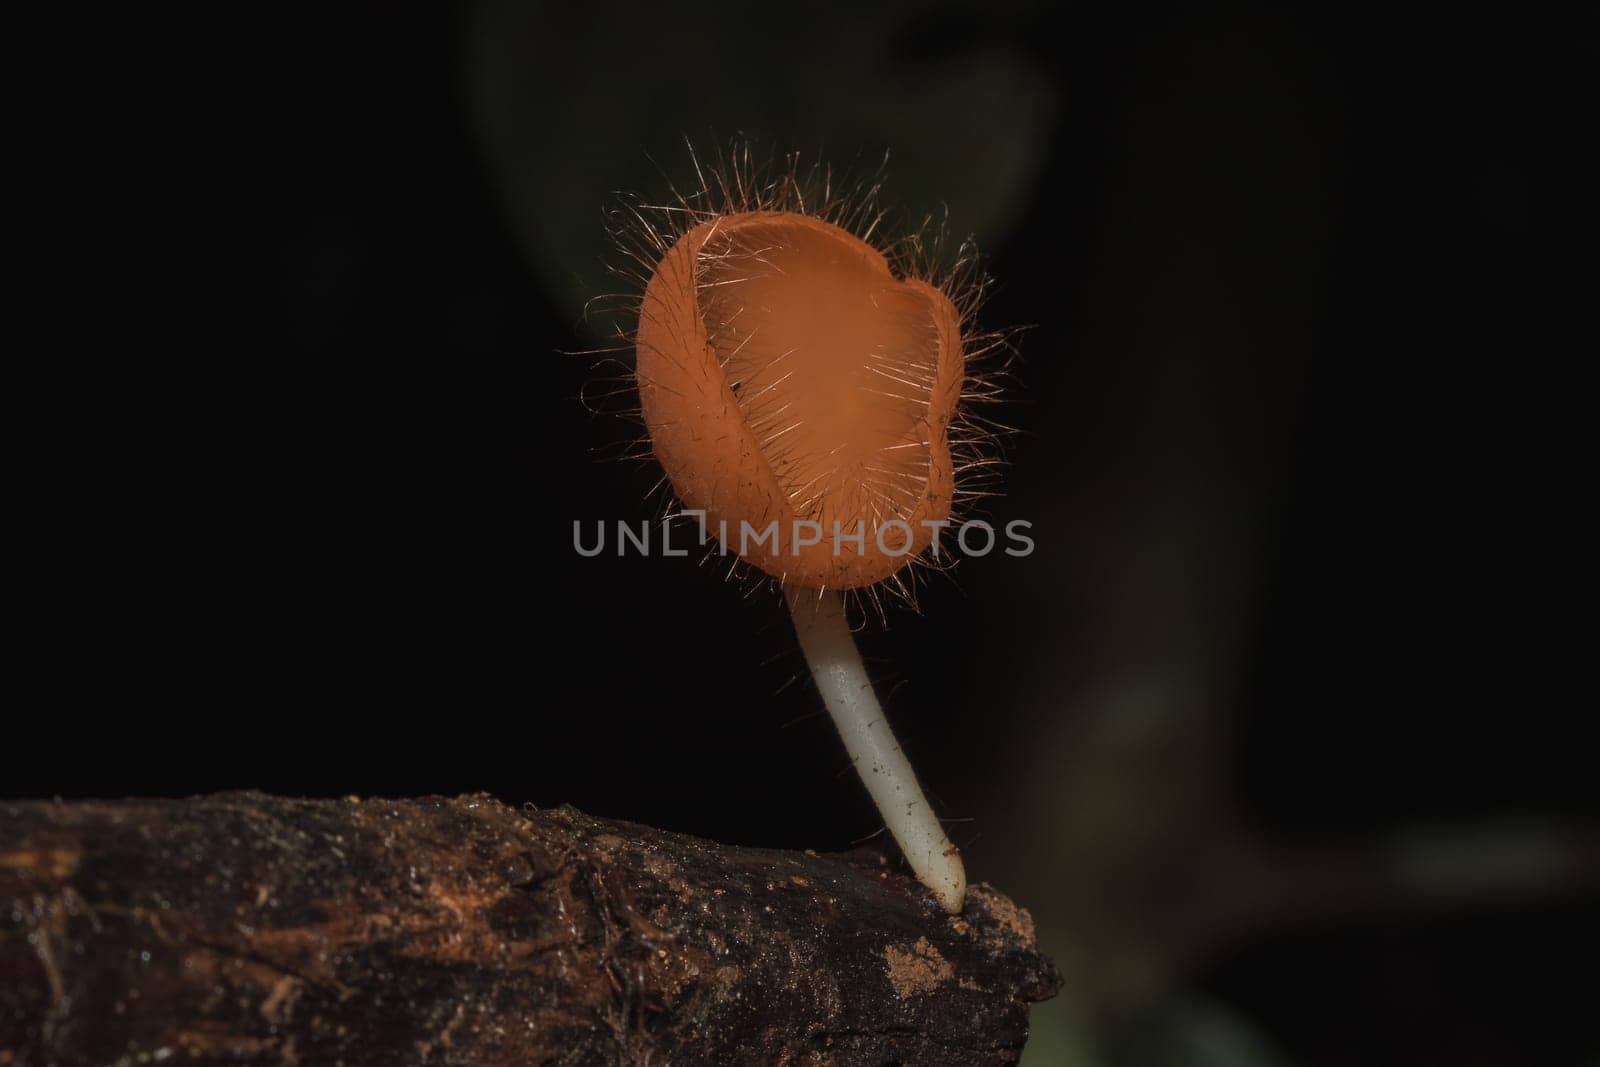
x=1282, y=733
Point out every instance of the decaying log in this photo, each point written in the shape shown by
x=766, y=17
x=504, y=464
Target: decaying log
x=245, y=928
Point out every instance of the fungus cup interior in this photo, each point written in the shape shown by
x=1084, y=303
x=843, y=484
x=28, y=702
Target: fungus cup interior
x=786, y=374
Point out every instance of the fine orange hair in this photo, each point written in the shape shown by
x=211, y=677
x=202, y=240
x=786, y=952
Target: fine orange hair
x=792, y=366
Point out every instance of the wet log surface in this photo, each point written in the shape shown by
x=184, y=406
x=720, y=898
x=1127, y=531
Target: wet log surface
x=245, y=928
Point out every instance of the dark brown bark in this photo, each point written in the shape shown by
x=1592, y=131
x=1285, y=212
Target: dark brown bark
x=244, y=928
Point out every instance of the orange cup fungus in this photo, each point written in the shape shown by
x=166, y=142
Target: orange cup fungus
x=788, y=377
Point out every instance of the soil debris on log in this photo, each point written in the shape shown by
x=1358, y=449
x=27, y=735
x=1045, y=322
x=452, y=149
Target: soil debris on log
x=247, y=928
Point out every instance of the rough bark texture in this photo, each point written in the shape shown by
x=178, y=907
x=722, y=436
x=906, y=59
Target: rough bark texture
x=244, y=928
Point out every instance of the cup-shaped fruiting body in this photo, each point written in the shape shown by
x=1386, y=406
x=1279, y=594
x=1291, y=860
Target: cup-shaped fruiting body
x=800, y=395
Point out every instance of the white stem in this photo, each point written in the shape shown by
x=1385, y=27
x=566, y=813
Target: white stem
x=836, y=667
